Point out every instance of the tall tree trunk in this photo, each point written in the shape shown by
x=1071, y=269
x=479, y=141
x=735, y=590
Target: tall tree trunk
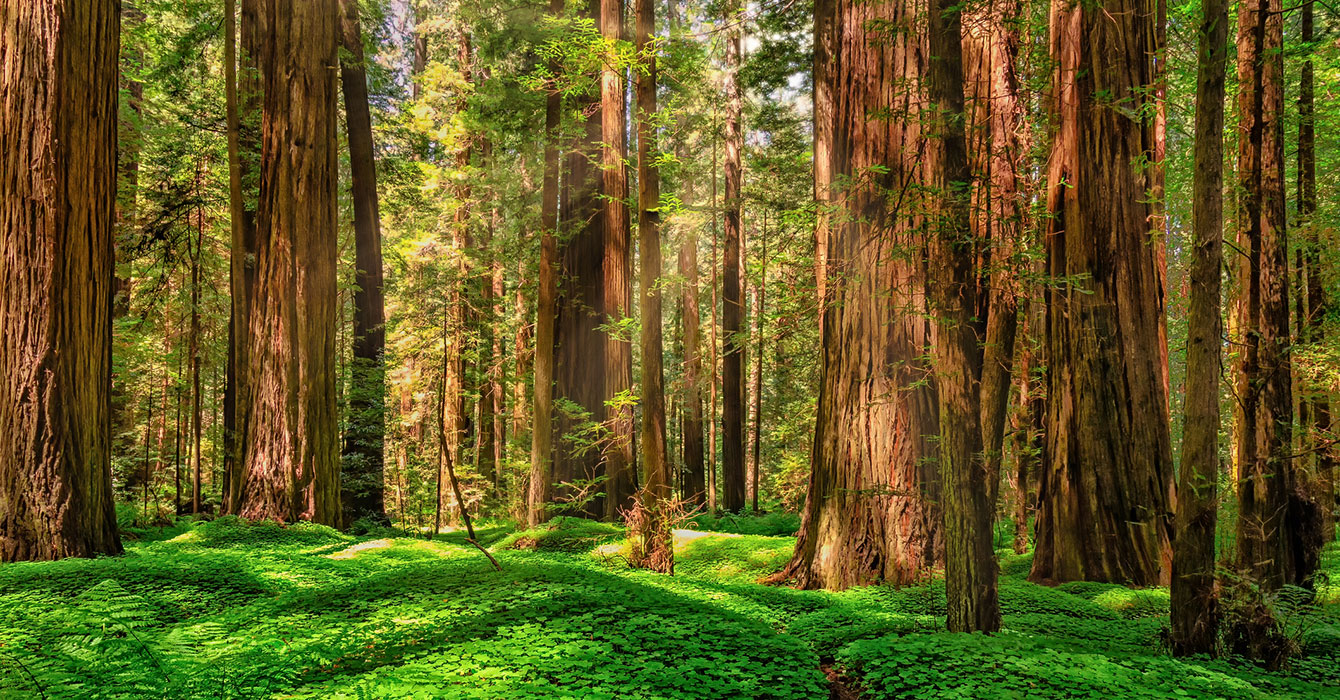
x=1317, y=302
x=243, y=104
x=970, y=561
x=618, y=286
x=579, y=361
x=653, y=547
x=867, y=516
x=713, y=345
x=196, y=398
x=546, y=313
x=761, y=293
x=695, y=482
x=1104, y=510
x=362, y=485
x=488, y=356
x=732, y=291
x=823, y=143
x=291, y=468
x=1194, y=615
x=1267, y=520
x=57, y=204
x=455, y=416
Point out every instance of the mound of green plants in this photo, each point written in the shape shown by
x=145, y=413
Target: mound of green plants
x=777, y=523
x=563, y=534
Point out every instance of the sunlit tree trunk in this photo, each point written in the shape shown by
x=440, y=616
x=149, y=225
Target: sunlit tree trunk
x=617, y=266
x=653, y=547
x=1104, y=510
x=733, y=336
x=58, y=73
x=1193, y=614
x=362, y=487
x=869, y=514
x=455, y=414
x=291, y=468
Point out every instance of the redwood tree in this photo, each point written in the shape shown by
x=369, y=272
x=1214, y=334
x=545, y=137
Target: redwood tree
x=869, y=512
x=291, y=467
x=1104, y=508
x=732, y=292
x=57, y=202
x=1194, y=618
x=362, y=491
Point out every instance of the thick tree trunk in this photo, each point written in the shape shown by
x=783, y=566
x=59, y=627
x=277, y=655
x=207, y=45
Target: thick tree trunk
x=1277, y=522
x=546, y=313
x=869, y=515
x=733, y=336
x=58, y=73
x=618, y=286
x=362, y=487
x=291, y=468
x=579, y=361
x=1104, y=510
x=243, y=104
x=1194, y=615
x=653, y=548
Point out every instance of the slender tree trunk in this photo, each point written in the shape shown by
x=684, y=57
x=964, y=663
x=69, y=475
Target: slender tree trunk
x=243, y=103
x=1104, y=513
x=1194, y=614
x=619, y=453
x=362, y=484
x=489, y=355
x=695, y=482
x=653, y=547
x=1317, y=303
x=546, y=313
x=291, y=468
x=732, y=309
x=455, y=415
x=1268, y=522
x=870, y=514
x=57, y=213
x=758, y=359
x=713, y=344
x=196, y=398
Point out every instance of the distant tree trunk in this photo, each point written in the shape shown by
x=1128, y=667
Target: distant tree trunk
x=653, y=547
x=489, y=356
x=579, y=361
x=129, y=142
x=1104, y=510
x=1266, y=525
x=823, y=143
x=546, y=313
x=362, y=485
x=869, y=512
x=619, y=453
x=523, y=353
x=1317, y=303
x=1027, y=427
x=196, y=410
x=762, y=291
x=291, y=469
x=695, y=482
x=57, y=213
x=713, y=346
x=732, y=292
x=1194, y=615
x=455, y=415
x=243, y=103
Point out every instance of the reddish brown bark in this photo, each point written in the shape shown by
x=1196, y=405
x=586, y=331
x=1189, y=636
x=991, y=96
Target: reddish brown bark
x=291, y=467
x=733, y=335
x=1104, y=510
x=867, y=515
x=58, y=78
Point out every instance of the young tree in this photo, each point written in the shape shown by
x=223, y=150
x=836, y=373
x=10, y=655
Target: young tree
x=291, y=467
x=1104, y=510
x=732, y=302
x=362, y=490
x=546, y=312
x=653, y=547
x=57, y=203
x=1194, y=618
x=869, y=511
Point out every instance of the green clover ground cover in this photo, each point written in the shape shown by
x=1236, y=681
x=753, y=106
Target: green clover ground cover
x=225, y=609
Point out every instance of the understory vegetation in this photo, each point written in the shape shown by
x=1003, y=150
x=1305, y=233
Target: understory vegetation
x=228, y=609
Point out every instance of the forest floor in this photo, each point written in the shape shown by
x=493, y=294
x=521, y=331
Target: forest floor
x=223, y=609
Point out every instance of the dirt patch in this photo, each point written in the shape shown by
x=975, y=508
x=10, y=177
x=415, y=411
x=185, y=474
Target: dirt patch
x=840, y=687
x=525, y=543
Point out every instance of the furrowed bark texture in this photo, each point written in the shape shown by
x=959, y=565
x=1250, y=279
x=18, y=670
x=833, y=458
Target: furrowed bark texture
x=291, y=469
x=1193, y=614
x=870, y=513
x=58, y=82
x=1104, y=510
